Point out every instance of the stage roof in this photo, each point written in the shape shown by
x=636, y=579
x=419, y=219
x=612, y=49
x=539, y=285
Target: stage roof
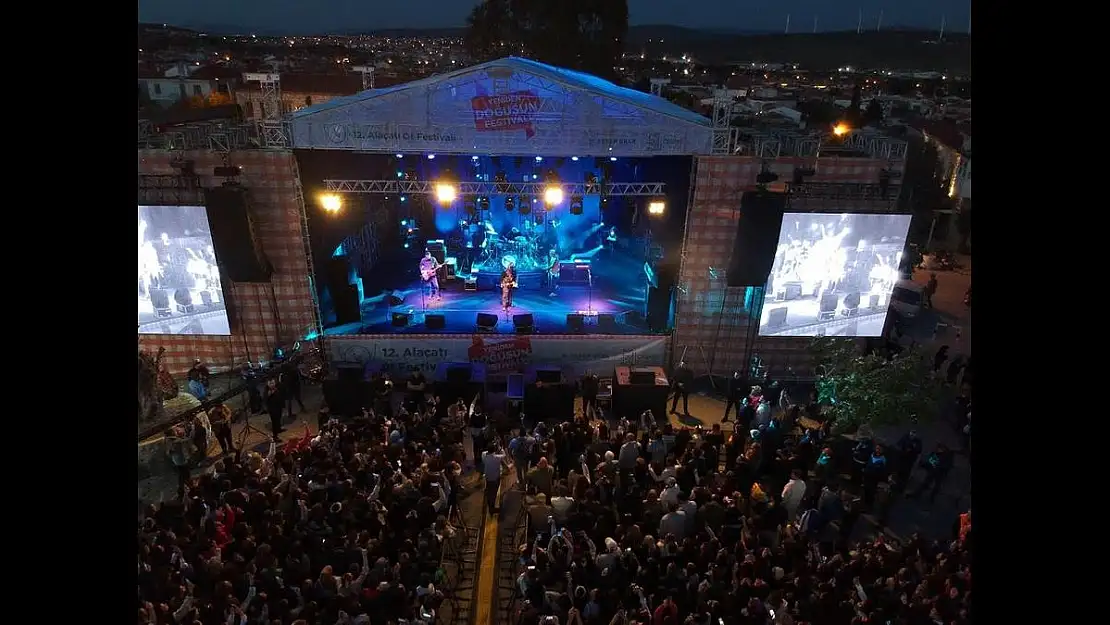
x=511, y=106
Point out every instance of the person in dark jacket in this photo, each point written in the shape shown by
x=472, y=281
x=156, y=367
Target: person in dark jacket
x=873, y=474
x=909, y=450
x=937, y=466
x=275, y=403
x=291, y=386
x=683, y=377
x=736, y=394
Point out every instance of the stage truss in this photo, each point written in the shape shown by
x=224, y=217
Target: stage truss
x=415, y=187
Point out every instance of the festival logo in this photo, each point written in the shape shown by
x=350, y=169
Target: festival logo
x=507, y=111
x=508, y=355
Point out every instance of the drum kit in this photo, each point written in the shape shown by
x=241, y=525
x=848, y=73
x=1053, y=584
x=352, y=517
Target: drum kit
x=522, y=251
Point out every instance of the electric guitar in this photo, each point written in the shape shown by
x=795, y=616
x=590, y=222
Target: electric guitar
x=426, y=274
x=554, y=269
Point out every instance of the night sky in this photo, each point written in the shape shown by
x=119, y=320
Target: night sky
x=316, y=16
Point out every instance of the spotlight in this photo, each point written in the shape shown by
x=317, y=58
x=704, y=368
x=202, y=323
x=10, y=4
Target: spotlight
x=510, y=203
x=553, y=196
x=657, y=206
x=483, y=203
x=841, y=129
x=591, y=184
x=331, y=202
x=446, y=193
x=575, y=205
x=525, y=207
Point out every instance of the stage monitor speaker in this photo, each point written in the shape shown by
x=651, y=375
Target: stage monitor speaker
x=346, y=304
x=486, y=322
x=401, y=320
x=576, y=322
x=757, y=238
x=458, y=374
x=641, y=376
x=607, y=323
x=776, y=318
x=160, y=298
x=238, y=250
x=524, y=324
x=435, y=321
x=396, y=298
x=828, y=302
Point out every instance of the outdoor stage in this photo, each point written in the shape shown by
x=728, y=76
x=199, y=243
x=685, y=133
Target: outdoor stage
x=612, y=300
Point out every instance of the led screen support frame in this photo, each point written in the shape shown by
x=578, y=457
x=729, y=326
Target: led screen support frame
x=179, y=285
x=833, y=274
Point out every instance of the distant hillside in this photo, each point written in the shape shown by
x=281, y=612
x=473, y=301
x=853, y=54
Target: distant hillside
x=902, y=49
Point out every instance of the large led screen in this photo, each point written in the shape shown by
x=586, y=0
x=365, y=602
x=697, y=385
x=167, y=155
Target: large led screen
x=833, y=274
x=179, y=282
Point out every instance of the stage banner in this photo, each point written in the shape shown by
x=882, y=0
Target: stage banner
x=502, y=354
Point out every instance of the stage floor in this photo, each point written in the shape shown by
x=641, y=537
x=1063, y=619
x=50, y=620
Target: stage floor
x=618, y=289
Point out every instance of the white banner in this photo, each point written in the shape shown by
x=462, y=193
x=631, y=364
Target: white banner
x=502, y=353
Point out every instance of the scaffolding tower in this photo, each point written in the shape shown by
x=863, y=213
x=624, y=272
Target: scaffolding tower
x=367, y=72
x=273, y=125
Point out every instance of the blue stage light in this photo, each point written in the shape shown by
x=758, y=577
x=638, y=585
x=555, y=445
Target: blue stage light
x=574, y=158
x=399, y=155
x=404, y=198
x=400, y=174
x=613, y=159
x=406, y=245
x=432, y=157
x=539, y=159
x=473, y=158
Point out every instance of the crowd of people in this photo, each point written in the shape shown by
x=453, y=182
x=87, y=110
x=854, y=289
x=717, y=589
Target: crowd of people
x=346, y=525
x=631, y=522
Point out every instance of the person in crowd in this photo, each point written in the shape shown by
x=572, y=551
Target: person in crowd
x=493, y=463
x=291, y=387
x=937, y=465
x=275, y=404
x=680, y=386
x=735, y=397
x=476, y=421
x=198, y=377
x=590, y=385
x=909, y=450
x=219, y=416
x=929, y=291
x=338, y=528
x=520, y=448
x=416, y=391
x=541, y=476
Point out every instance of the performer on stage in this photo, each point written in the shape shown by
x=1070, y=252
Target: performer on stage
x=552, y=271
x=428, y=269
x=508, y=283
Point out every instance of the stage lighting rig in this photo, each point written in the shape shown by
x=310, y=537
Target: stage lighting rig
x=592, y=187
x=483, y=203
x=552, y=192
x=409, y=175
x=525, y=207
x=575, y=205
x=510, y=204
x=501, y=182
x=657, y=206
x=331, y=202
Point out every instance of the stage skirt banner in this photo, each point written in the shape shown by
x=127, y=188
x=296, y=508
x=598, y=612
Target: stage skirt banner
x=501, y=354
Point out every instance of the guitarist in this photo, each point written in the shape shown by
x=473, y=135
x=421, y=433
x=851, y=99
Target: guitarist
x=508, y=283
x=553, y=271
x=428, y=270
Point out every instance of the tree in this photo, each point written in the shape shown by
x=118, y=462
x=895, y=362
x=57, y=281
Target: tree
x=873, y=390
x=586, y=35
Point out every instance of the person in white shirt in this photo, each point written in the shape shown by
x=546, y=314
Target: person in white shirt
x=793, y=494
x=669, y=497
x=629, y=453
x=493, y=460
x=674, y=522
x=561, y=505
